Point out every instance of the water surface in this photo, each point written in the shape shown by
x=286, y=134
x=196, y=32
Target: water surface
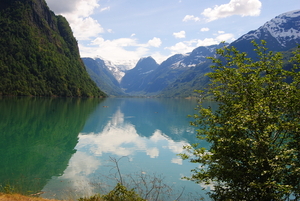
x=68, y=148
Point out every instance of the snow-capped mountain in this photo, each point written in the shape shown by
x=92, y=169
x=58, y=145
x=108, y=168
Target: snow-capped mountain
x=281, y=33
x=199, y=55
x=125, y=65
x=104, y=74
x=118, y=74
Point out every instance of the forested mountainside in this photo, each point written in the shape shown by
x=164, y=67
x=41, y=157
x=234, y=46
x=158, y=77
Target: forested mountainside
x=39, y=55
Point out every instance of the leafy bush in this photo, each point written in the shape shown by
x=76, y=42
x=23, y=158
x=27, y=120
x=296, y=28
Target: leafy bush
x=119, y=193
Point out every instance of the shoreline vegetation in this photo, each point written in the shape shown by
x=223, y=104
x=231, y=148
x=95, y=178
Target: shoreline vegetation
x=19, y=197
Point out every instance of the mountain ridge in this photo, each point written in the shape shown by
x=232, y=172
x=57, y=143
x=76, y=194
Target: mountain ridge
x=181, y=74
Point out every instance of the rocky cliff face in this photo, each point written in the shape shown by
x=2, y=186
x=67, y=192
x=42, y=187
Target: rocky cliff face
x=39, y=55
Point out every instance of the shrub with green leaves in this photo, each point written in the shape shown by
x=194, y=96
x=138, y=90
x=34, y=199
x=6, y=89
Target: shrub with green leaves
x=119, y=193
x=254, y=134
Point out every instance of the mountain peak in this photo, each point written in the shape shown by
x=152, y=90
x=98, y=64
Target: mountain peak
x=148, y=61
x=280, y=32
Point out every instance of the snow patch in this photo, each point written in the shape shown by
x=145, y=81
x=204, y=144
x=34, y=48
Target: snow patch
x=280, y=27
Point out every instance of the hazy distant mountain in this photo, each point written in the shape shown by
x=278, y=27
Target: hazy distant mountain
x=101, y=73
x=148, y=78
x=166, y=73
x=135, y=80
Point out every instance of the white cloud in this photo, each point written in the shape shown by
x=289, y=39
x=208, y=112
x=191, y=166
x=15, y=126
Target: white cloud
x=234, y=7
x=181, y=47
x=188, y=46
x=152, y=152
x=221, y=32
x=207, y=42
x=85, y=28
x=190, y=18
x=155, y=42
x=104, y=9
x=180, y=34
x=159, y=58
x=110, y=31
x=121, y=49
x=78, y=14
x=225, y=37
x=204, y=29
x=58, y=7
x=177, y=161
x=132, y=35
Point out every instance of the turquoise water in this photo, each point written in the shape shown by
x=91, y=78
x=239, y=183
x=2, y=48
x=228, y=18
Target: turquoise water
x=69, y=148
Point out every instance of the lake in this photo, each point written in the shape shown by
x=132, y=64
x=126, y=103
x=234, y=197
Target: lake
x=67, y=148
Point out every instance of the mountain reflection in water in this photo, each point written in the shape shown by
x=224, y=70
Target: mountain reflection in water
x=149, y=132
x=64, y=147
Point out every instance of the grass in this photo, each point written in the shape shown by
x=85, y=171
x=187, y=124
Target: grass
x=18, y=197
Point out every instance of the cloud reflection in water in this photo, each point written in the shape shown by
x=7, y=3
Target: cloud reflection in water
x=117, y=136
x=121, y=139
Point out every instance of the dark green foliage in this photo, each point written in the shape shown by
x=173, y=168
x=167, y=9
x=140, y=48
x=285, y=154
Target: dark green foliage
x=254, y=134
x=38, y=54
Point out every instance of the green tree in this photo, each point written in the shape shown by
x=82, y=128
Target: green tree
x=254, y=133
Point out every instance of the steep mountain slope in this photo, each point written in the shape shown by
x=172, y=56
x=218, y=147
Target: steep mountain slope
x=102, y=75
x=281, y=34
x=165, y=74
x=38, y=54
x=117, y=72
x=189, y=81
x=135, y=80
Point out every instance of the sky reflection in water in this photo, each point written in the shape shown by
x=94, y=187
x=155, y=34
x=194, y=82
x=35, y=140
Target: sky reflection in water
x=112, y=131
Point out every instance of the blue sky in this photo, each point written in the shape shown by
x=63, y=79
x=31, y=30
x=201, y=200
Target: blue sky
x=122, y=30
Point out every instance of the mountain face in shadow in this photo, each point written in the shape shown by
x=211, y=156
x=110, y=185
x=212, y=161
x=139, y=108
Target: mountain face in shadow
x=39, y=55
x=102, y=76
x=38, y=136
x=136, y=79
